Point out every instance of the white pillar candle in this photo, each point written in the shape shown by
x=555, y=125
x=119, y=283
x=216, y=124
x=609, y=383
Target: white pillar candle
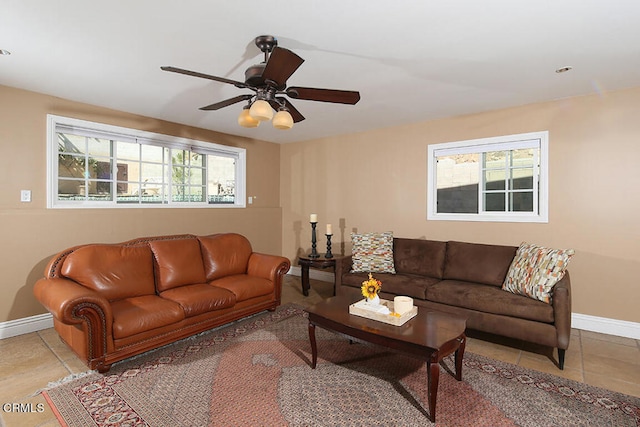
x=402, y=305
x=329, y=229
x=313, y=218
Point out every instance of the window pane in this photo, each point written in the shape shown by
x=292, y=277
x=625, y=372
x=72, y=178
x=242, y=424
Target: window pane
x=100, y=169
x=221, y=179
x=522, y=179
x=99, y=147
x=152, y=173
x=128, y=192
x=494, y=202
x=457, y=183
x=70, y=166
x=494, y=179
x=179, y=174
x=522, y=201
x=196, y=176
x=70, y=189
x=128, y=150
x=100, y=190
x=151, y=153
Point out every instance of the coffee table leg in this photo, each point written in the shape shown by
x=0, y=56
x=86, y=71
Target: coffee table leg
x=433, y=377
x=314, y=347
x=459, y=356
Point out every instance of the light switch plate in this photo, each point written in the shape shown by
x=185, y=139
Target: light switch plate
x=25, y=195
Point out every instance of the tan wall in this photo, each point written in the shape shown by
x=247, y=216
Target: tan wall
x=376, y=181
x=32, y=234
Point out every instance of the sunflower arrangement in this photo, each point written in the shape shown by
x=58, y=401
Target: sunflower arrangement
x=371, y=287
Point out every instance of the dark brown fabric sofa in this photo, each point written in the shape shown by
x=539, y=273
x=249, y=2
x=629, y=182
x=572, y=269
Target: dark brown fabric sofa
x=113, y=301
x=466, y=279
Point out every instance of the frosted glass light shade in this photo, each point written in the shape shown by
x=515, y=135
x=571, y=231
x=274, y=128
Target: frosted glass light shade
x=261, y=110
x=245, y=120
x=282, y=120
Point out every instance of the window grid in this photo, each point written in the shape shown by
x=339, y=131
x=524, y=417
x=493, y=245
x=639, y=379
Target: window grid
x=94, y=165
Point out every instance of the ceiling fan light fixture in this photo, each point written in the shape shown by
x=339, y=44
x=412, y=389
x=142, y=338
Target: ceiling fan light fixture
x=246, y=121
x=283, y=120
x=261, y=110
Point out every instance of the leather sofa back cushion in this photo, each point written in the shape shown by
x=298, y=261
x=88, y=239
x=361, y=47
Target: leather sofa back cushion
x=116, y=272
x=474, y=262
x=225, y=254
x=422, y=257
x=178, y=263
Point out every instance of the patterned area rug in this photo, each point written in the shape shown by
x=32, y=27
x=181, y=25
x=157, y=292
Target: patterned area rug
x=257, y=373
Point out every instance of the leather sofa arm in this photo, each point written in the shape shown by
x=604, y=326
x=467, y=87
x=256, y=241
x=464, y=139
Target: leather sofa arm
x=561, y=302
x=269, y=267
x=72, y=303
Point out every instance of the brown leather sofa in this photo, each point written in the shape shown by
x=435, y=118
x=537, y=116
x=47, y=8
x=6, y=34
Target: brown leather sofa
x=112, y=301
x=466, y=279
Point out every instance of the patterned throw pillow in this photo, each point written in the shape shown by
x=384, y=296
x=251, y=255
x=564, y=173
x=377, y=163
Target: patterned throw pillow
x=373, y=253
x=535, y=270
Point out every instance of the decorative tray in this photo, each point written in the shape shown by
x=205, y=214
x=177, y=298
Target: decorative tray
x=362, y=309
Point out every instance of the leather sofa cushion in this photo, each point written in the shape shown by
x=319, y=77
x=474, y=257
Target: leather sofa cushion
x=474, y=262
x=244, y=286
x=422, y=257
x=140, y=314
x=399, y=284
x=178, y=263
x=489, y=299
x=225, y=254
x=114, y=271
x=200, y=298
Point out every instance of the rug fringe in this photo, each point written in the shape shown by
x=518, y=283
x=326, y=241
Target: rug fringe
x=62, y=381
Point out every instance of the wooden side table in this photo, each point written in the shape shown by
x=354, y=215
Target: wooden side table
x=304, y=261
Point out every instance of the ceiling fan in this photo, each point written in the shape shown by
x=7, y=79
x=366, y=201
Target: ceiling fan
x=268, y=81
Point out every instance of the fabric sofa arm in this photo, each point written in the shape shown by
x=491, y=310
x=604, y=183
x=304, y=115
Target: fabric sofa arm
x=343, y=266
x=561, y=302
x=72, y=303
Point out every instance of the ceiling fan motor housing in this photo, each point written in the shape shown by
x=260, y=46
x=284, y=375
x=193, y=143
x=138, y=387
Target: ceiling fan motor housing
x=253, y=75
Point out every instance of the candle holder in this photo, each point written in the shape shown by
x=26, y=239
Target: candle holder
x=328, y=254
x=314, y=252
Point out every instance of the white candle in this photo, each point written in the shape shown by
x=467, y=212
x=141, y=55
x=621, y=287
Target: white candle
x=313, y=218
x=329, y=229
x=402, y=305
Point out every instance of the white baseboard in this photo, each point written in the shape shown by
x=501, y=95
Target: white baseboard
x=323, y=276
x=620, y=328
x=25, y=325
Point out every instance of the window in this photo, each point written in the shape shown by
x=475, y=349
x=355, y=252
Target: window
x=92, y=165
x=492, y=179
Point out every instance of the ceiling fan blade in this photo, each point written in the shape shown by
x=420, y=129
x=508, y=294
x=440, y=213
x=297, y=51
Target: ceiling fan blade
x=324, y=95
x=204, y=76
x=295, y=114
x=226, y=103
x=281, y=65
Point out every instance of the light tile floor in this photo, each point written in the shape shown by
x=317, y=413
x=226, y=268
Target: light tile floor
x=29, y=362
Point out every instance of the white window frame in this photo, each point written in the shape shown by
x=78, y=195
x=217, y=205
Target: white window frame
x=499, y=143
x=55, y=122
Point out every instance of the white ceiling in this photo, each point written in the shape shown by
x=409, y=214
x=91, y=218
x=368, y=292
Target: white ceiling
x=411, y=61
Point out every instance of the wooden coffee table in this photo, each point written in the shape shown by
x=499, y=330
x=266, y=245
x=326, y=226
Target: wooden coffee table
x=430, y=335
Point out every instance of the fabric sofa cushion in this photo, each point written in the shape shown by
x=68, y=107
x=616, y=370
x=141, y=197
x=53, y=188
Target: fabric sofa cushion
x=480, y=263
x=225, y=254
x=140, y=314
x=178, y=263
x=421, y=257
x=410, y=285
x=372, y=252
x=200, y=298
x=489, y=299
x=114, y=271
x=535, y=270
